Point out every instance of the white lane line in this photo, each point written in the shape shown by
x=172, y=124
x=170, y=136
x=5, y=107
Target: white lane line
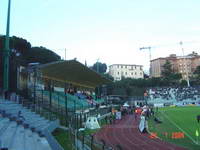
x=180, y=128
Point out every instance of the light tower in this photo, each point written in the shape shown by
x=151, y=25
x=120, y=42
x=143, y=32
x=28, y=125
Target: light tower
x=6, y=53
x=185, y=64
x=149, y=48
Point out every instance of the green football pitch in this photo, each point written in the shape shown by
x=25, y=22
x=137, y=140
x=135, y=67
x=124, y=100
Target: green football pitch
x=179, y=126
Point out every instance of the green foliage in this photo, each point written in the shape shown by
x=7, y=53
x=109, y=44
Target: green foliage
x=106, y=75
x=183, y=83
x=41, y=55
x=20, y=55
x=197, y=74
x=64, y=139
x=99, y=67
x=127, y=86
x=167, y=70
x=169, y=75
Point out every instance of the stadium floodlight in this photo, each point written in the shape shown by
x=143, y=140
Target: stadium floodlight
x=186, y=65
x=6, y=53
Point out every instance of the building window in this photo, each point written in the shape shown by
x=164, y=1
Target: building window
x=117, y=66
x=125, y=66
x=131, y=73
x=118, y=73
x=125, y=73
x=135, y=73
x=121, y=66
x=140, y=68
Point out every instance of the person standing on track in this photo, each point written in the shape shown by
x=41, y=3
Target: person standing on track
x=135, y=113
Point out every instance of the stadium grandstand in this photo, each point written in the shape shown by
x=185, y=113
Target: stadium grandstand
x=174, y=95
x=71, y=81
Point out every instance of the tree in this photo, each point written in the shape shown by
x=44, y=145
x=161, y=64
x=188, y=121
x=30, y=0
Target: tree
x=108, y=76
x=167, y=70
x=20, y=55
x=99, y=67
x=169, y=76
x=197, y=74
x=41, y=55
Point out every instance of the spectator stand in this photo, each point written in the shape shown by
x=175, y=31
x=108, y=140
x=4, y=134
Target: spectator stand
x=65, y=89
x=174, y=95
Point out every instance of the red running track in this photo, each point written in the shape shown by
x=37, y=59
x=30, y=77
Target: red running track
x=125, y=133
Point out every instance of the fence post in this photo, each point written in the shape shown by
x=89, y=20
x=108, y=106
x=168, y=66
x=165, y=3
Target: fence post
x=104, y=143
x=66, y=111
x=92, y=140
x=83, y=140
x=34, y=86
x=66, y=108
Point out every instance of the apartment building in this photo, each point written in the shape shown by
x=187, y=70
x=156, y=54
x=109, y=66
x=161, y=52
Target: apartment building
x=118, y=71
x=180, y=64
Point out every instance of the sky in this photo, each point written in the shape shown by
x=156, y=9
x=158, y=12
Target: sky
x=111, y=31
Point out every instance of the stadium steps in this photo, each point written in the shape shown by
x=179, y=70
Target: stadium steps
x=30, y=140
x=16, y=136
x=9, y=134
x=18, y=142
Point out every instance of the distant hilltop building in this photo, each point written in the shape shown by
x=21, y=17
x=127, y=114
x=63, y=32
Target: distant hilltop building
x=118, y=71
x=179, y=64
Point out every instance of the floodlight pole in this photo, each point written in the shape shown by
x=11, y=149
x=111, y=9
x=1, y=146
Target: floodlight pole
x=186, y=69
x=148, y=48
x=6, y=53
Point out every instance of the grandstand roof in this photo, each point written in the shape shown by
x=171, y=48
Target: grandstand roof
x=73, y=72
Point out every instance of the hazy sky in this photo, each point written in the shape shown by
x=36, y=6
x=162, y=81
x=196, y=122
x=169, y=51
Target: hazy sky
x=109, y=30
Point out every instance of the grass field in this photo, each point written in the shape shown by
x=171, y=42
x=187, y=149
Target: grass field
x=63, y=138
x=181, y=120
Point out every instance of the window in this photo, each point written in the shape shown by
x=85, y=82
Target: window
x=135, y=73
x=121, y=66
x=131, y=73
x=125, y=73
x=118, y=73
x=125, y=66
x=117, y=66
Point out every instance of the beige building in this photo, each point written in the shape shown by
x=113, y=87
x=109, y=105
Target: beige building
x=117, y=71
x=184, y=65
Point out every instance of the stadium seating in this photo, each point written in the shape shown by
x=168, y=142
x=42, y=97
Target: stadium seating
x=24, y=130
x=174, y=94
x=72, y=101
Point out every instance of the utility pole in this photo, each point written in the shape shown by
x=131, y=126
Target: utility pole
x=65, y=53
x=186, y=67
x=6, y=53
x=98, y=65
x=98, y=72
x=149, y=48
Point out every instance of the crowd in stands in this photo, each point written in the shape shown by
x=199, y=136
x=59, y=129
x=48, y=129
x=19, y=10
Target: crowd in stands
x=174, y=93
x=83, y=95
